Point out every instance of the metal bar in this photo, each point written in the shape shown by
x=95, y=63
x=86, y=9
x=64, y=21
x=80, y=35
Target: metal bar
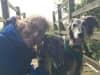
x=70, y=9
x=59, y=16
x=18, y=13
x=12, y=7
x=53, y=16
x=5, y=10
x=87, y=7
x=64, y=3
x=61, y=27
x=54, y=21
x=59, y=12
x=24, y=15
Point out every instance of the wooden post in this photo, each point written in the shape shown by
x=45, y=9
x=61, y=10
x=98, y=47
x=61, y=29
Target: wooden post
x=59, y=16
x=71, y=9
x=54, y=21
x=5, y=10
x=53, y=16
x=18, y=13
x=24, y=15
x=61, y=25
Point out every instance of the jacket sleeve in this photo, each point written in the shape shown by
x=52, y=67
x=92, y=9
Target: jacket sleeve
x=6, y=67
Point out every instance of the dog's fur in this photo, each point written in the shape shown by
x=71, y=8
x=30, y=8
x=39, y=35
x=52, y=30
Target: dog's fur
x=78, y=31
x=60, y=60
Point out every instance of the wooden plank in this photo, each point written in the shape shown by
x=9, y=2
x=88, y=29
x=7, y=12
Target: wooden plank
x=87, y=7
x=88, y=71
x=92, y=62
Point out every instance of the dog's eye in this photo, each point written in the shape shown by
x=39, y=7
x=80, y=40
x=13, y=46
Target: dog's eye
x=74, y=25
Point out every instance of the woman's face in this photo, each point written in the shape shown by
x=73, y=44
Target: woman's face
x=33, y=34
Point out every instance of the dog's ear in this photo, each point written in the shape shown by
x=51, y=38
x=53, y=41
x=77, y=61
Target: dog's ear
x=90, y=23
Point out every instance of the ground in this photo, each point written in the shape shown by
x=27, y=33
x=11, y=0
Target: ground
x=86, y=70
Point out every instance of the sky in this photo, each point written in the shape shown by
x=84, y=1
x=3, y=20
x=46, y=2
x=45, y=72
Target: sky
x=30, y=7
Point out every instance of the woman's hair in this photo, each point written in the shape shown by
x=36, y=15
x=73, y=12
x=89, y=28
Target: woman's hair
x=33, y=20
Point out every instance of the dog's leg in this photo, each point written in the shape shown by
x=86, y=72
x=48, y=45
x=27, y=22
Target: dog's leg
x=48, y=65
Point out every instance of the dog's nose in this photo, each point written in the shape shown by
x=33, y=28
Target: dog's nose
x=81, y=35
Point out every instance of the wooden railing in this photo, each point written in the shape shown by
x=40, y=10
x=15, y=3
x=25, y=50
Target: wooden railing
x=92, y=62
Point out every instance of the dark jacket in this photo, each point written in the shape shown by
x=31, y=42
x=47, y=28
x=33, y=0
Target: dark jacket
x=15, y=56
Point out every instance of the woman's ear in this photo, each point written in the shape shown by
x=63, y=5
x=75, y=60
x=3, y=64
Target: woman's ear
x=20, y=24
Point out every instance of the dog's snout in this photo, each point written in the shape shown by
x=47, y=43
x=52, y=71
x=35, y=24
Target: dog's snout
x=80, y=35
